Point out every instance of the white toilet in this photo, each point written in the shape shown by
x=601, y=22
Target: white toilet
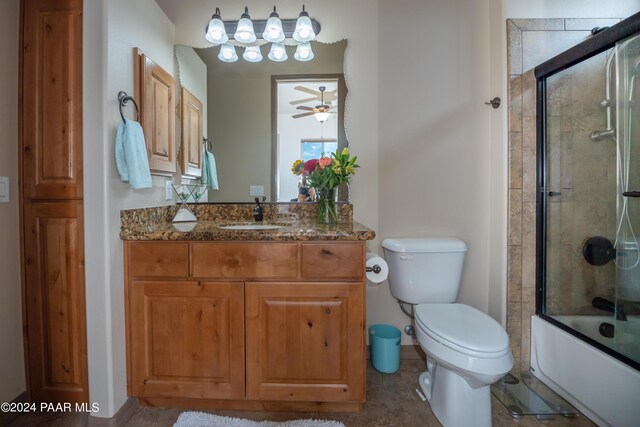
x=466, y=349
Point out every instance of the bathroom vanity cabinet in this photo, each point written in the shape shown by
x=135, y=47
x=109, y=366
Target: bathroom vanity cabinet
x=277, y=325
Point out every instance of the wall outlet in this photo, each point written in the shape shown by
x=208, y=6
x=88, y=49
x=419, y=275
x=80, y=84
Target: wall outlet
x=168, y=190
x=256, y=190
x=4, y=189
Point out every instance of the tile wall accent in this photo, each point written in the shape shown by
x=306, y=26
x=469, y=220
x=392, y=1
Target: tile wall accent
x=529, y=43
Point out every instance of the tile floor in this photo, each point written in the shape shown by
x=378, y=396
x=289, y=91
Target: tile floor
x=391, y=401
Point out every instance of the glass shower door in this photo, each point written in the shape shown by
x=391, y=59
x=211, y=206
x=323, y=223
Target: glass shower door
x=592, y=200
x=626, y=333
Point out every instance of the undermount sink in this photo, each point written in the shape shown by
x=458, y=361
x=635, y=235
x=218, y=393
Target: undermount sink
x=251, y=227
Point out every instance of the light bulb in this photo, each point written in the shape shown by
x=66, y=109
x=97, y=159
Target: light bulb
x=228, y=53
x=252, y=54
x=278, y=53
x=244, y=31
x=215, y=32
x=304, y=32
x=304, y=52
x=304, y=29
x=273, y=28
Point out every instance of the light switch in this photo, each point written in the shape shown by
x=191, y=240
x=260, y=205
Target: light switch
x=4, y=189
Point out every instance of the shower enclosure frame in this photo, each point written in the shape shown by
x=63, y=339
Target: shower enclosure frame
x=598, y=43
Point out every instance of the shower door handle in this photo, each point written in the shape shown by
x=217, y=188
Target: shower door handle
x=631, y=194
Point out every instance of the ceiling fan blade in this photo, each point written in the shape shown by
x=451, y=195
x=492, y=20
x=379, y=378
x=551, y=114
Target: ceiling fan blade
x=297, y=116
x=307, y=90
x=302, y=101
x=304, y=107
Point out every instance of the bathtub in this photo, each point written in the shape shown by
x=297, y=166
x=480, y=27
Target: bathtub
x=601, y=387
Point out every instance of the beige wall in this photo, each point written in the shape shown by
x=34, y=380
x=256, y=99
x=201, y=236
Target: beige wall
x=12, y=381
x=112, y=28
x=239, y=114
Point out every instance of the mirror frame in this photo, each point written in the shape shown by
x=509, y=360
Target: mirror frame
x=343, y=190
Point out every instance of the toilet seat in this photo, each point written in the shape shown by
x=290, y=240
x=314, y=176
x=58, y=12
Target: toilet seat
x=464, y=329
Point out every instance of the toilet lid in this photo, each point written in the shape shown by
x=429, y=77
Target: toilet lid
x=463, y=328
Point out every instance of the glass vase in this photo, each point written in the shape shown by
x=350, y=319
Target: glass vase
x=326, y=198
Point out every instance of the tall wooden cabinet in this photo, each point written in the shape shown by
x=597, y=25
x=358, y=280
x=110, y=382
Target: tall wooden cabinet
x=51, y=200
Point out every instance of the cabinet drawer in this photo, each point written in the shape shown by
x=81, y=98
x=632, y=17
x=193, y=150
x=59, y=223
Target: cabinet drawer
x=333, y=261
x=158, y=259
x=245, y=260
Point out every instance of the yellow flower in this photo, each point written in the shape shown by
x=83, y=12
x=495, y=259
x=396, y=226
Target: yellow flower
x=336, y=168
x=350, y=170
x=297, y=167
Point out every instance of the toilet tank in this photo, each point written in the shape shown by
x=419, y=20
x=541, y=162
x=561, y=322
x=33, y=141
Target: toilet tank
x=424, y=270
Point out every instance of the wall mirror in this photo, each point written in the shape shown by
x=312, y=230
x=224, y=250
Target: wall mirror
x=248, y=115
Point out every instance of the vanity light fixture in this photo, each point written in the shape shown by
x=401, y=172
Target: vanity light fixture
x=278, y=52
x=252, y=54
x=304, y=30
x=228, y=53
x=273, y=31
x=304, y=52
x=244, y=32
x=216, y=32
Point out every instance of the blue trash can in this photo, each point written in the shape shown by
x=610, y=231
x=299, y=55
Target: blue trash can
x=385, y=348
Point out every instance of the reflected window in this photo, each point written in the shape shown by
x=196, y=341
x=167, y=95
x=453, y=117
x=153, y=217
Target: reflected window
x=315, y=148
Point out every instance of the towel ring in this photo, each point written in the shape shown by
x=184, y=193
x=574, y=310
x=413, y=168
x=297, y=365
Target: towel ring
x=124, y=99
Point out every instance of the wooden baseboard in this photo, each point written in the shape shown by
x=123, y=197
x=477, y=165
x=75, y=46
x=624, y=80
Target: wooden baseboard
x=7, y=417
x=119, y=419
x=251, y=405
x=407, y=352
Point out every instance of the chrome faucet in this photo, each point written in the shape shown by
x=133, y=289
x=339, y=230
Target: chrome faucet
x=257, y=210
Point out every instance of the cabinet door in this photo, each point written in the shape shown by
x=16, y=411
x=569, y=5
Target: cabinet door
x=305, y=341
x=54, y=288
x=191, y=152
x=51, y=145
x=158, y=115
x=186, y=339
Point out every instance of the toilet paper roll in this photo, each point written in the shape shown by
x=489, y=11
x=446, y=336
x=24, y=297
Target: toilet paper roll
x=373, y=260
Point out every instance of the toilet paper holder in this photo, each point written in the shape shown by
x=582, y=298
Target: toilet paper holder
x=375, y=269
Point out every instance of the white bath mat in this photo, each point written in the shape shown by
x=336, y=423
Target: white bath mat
x=202, y=419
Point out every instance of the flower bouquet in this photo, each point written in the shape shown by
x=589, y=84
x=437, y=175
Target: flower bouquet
x=324, y=175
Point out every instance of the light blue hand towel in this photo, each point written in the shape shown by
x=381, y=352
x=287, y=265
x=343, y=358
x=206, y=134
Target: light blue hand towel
x=131, y=155
x=209, y=170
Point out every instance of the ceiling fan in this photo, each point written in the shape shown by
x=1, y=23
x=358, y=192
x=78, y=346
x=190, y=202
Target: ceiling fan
x=330, y=95
x=321, y=112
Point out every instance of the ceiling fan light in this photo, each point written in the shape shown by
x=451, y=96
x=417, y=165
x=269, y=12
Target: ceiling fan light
x=216, y=32
x=252, y=54
x=304, y=30
x=322, y=117
x=228, y=53
x=273, y=31
x=244, y=32
x=278, y=53
x=304, y=52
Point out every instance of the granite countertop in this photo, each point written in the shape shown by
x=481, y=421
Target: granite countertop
x=155, y=224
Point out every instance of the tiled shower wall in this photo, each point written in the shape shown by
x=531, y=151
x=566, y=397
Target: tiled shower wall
x=529, y=43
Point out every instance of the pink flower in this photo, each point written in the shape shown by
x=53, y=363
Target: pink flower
x=324, y=162
x=310, y=165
